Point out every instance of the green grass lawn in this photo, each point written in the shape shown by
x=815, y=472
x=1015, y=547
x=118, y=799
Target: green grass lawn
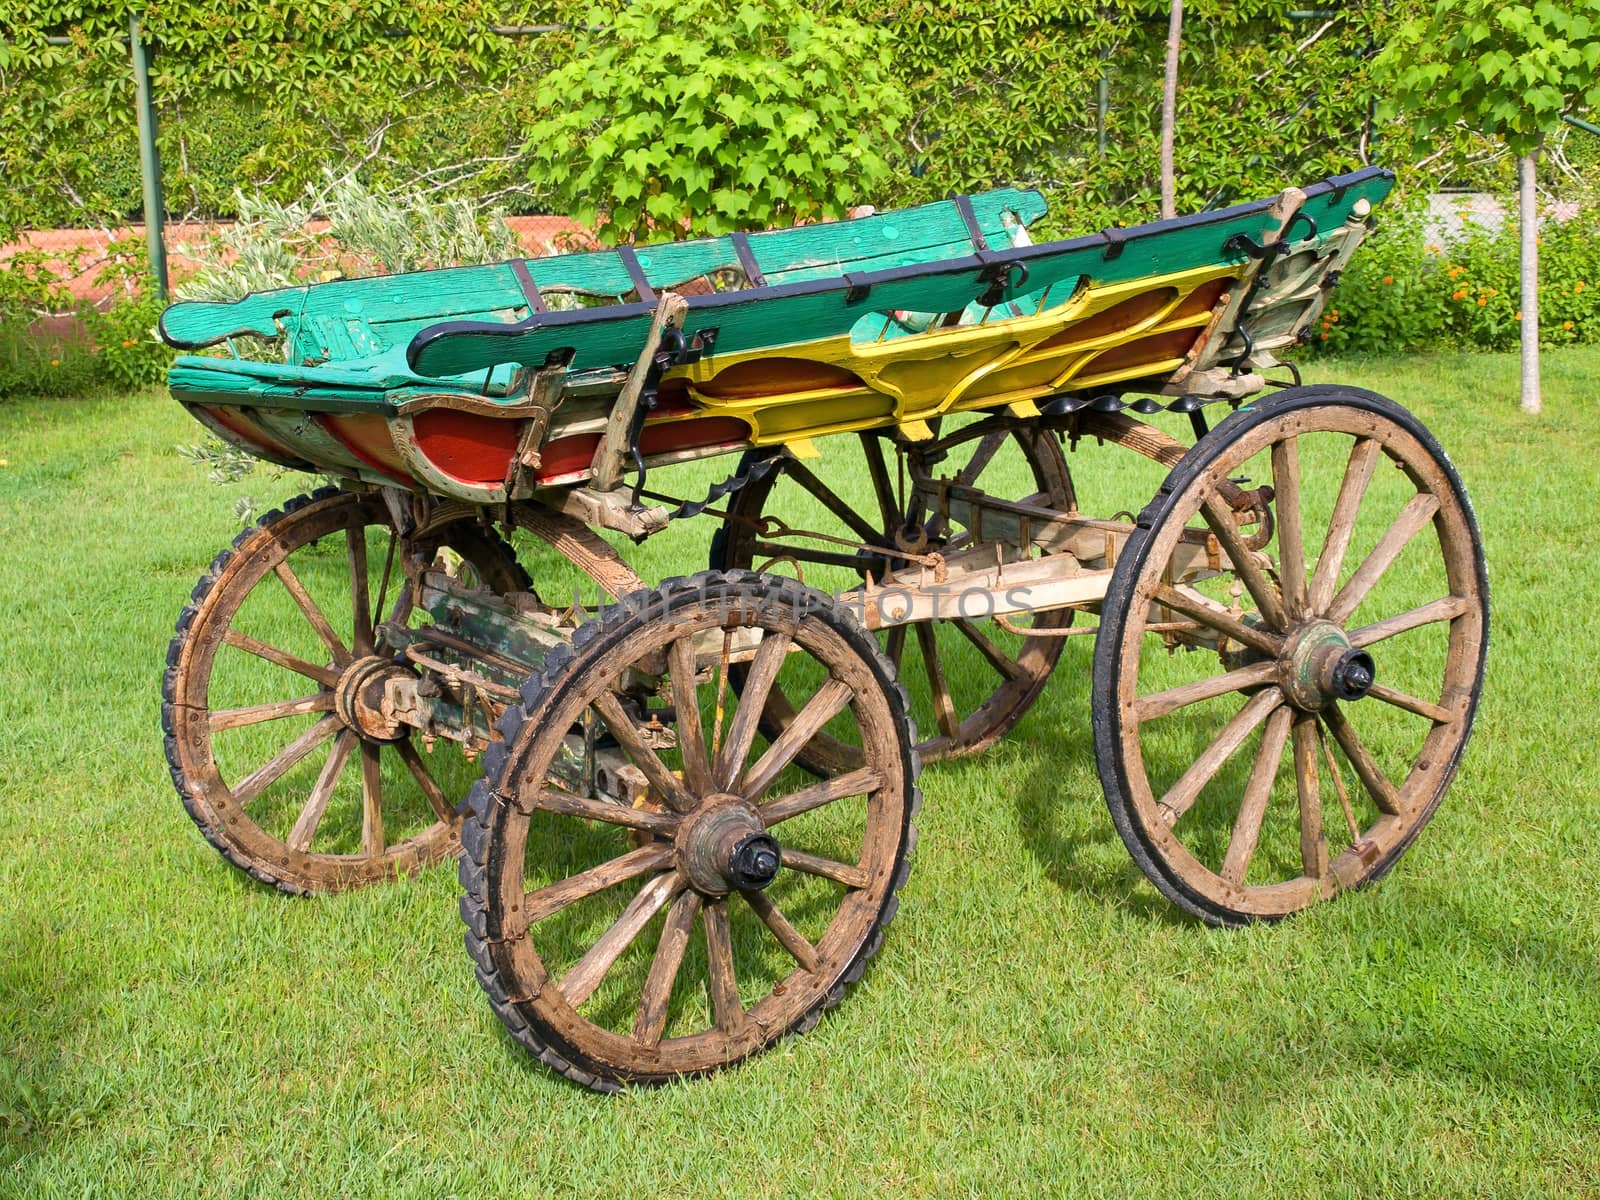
x=1039, y=1021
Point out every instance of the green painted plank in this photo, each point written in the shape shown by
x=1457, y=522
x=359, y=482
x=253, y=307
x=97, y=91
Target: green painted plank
x=612, y=337
x=351, y=318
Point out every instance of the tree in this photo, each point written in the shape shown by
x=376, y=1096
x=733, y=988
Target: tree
x=1169, y=111
x=687, y=117
x=1510, y=71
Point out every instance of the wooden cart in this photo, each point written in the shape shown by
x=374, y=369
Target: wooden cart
x=683, y=812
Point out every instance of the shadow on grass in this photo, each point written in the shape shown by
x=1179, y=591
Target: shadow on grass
x=46, y=1094
x=1076, y=847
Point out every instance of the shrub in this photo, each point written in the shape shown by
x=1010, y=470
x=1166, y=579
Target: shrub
x=1404, y=292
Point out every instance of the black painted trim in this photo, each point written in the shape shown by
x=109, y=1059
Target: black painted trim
x=630, y=263
x=747, y=258
x=530, y=290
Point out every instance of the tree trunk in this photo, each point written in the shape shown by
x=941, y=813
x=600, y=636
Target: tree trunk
x=1528, y=203
x=1169, y=111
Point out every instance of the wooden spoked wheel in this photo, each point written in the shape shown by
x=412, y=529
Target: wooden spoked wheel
x=979, y=678
x=735, y=897
x=275, y=747
x=1272, y=734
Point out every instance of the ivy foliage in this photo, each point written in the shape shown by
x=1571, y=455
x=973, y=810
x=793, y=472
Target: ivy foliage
x=696, y=117
x=421, y=94
x=261, y=96
x=1508, y=70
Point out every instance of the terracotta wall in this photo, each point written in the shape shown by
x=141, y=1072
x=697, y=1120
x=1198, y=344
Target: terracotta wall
x=538, y=236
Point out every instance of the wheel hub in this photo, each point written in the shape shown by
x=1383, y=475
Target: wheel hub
x=1319, y=665
x=723, y=846
x=358, y=699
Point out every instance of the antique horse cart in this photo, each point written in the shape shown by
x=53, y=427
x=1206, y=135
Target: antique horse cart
x=683, y=812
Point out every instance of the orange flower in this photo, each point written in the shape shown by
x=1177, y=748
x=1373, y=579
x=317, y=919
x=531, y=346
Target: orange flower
x=1323, y=335
x=1482, y=301
x=55, y=362
x=129, y=342
x=1566, y=325
x=1461, y=295
x=1519, y=314
x=1577, y=287
x=1388, y=278
x=1493, y=292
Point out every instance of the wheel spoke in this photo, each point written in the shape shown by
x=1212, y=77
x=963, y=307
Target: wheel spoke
x=889, y=510
x=1313, y=842
x=282, y=658
x=1423, y=708
x=233, y=718
x=811, y=864
x=313, y=615
x=858, y=524
x=686, y=701
x=769, y=657
x=860, y=782
x=1342, y=524
x=1419, y=510
x=651, y=1020
x=666, y=784
x=1291, y=542
x=580, y=982
x=828, y=702
x=437, y=800
x=1253, y=806
x=1183, y=794
x=1383, y=792
x=371, y=800
x=1009, y=668
x=305, y=826
x=944, y=709
x=1219, y=517
x=725, y=1002
x=360, y=600
x=894, y=646
x=568, y=805
x=790, y=938
x=263, y=776
x=982, y=455
x=1159, y=704
x=547, y=901
x=1445, y=609
x=1209, y=613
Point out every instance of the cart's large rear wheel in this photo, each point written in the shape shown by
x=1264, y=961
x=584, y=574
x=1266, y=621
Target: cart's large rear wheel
x=1292, y=722
x=274, y=751
x=735, y=897
x=980, y=679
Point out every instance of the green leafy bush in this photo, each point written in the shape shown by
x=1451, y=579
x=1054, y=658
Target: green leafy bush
x=53, y=345
x=692, y=117
x=1403, y=292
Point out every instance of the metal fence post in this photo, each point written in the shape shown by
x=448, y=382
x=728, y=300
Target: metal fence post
x=155, y=208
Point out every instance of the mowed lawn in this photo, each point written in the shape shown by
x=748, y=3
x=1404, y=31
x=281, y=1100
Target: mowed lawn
x=1038, y=1022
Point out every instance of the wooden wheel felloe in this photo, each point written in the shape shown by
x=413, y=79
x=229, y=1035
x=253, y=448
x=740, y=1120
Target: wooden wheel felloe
x=730, y=898
x=1298, y=714
x=277, y=748
x=980, y=678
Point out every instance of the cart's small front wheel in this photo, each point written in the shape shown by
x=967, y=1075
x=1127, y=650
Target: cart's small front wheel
x=635, y=933
x=267, y=697
x=1274, y=725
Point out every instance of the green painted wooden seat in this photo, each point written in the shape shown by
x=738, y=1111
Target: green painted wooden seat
x=348, y=338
